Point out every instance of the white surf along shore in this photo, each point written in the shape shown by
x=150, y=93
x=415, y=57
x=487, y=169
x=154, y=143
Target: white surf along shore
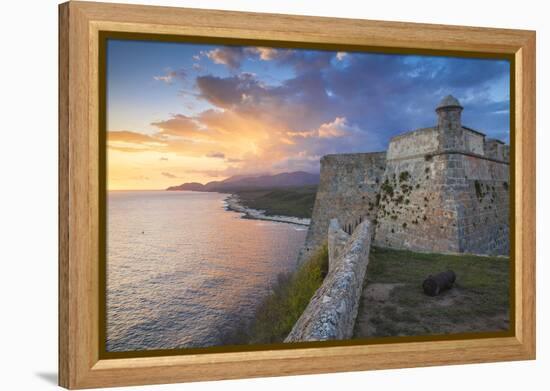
x=233, y=203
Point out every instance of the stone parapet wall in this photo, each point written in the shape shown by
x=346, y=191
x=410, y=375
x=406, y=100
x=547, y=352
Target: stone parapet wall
x=474, y=142
x=496, y=149
x=419, y=142
x=332, y=311
x=337, y=240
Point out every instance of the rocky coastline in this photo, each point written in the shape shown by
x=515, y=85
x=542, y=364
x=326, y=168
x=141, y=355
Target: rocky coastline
x=233, y=203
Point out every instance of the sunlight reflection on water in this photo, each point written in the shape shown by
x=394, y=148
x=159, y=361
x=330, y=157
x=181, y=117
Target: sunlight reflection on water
x=182, y=271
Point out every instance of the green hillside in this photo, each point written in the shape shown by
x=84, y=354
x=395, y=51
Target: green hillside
x=292, y=201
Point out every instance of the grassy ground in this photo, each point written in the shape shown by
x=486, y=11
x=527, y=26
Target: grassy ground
x=394, y=304
x=289, y=297
x=295, y=201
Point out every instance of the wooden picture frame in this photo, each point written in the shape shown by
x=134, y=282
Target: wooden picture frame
x=81, y=23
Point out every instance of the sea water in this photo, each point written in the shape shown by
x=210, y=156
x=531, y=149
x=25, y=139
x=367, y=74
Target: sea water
x=182, y=271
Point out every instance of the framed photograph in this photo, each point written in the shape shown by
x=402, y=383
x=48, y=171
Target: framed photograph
x=246, y=195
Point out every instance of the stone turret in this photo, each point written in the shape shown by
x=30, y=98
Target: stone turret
x=449, y=124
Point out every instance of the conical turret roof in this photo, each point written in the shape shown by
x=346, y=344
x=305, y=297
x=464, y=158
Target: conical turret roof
x=448, y=101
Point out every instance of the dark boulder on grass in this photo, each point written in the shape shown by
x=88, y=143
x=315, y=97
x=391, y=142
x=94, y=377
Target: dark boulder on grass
x=435, y=284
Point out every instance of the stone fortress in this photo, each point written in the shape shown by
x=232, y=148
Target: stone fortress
x=441, y=189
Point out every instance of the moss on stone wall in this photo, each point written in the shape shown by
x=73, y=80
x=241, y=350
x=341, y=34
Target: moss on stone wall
x=404, y=176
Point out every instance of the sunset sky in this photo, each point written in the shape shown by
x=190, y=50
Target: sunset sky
x=179, y=112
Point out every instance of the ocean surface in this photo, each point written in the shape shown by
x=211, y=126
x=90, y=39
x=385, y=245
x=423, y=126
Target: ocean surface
x=184, y=272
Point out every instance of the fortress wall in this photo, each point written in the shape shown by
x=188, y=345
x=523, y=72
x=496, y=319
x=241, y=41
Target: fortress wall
x=496, y=149
x=474, y=142
x=506, y=153
x=411, y=144
x=483, y=218
x=415, y=210
x=450, y=203
x=332, y=310
x=347, y=191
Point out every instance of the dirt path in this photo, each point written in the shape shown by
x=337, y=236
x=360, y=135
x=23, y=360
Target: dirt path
x=382, y=314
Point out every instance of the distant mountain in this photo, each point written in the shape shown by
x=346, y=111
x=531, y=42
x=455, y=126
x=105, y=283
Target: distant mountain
x=192, y=186
x=262, y=181
x=287, y=179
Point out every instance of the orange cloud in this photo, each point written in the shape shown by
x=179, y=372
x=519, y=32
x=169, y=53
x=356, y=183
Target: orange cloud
x=216, y=155
x=230, y=56
x=130, y=137
x=251, y=128
x=336, y=128
x=181, y=126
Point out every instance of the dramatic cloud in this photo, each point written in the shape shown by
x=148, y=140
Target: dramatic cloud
x=275, y=110
x=231, y=56
x=341, y=55
x=298, y=102
x=390, y=94
x=336, y=128
x=224, y=92
x=304, y=61
x=217, y=155
x=267, y=54
x=131, y=137
x=128, y=141
x=171, y=76
x=181, y=126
